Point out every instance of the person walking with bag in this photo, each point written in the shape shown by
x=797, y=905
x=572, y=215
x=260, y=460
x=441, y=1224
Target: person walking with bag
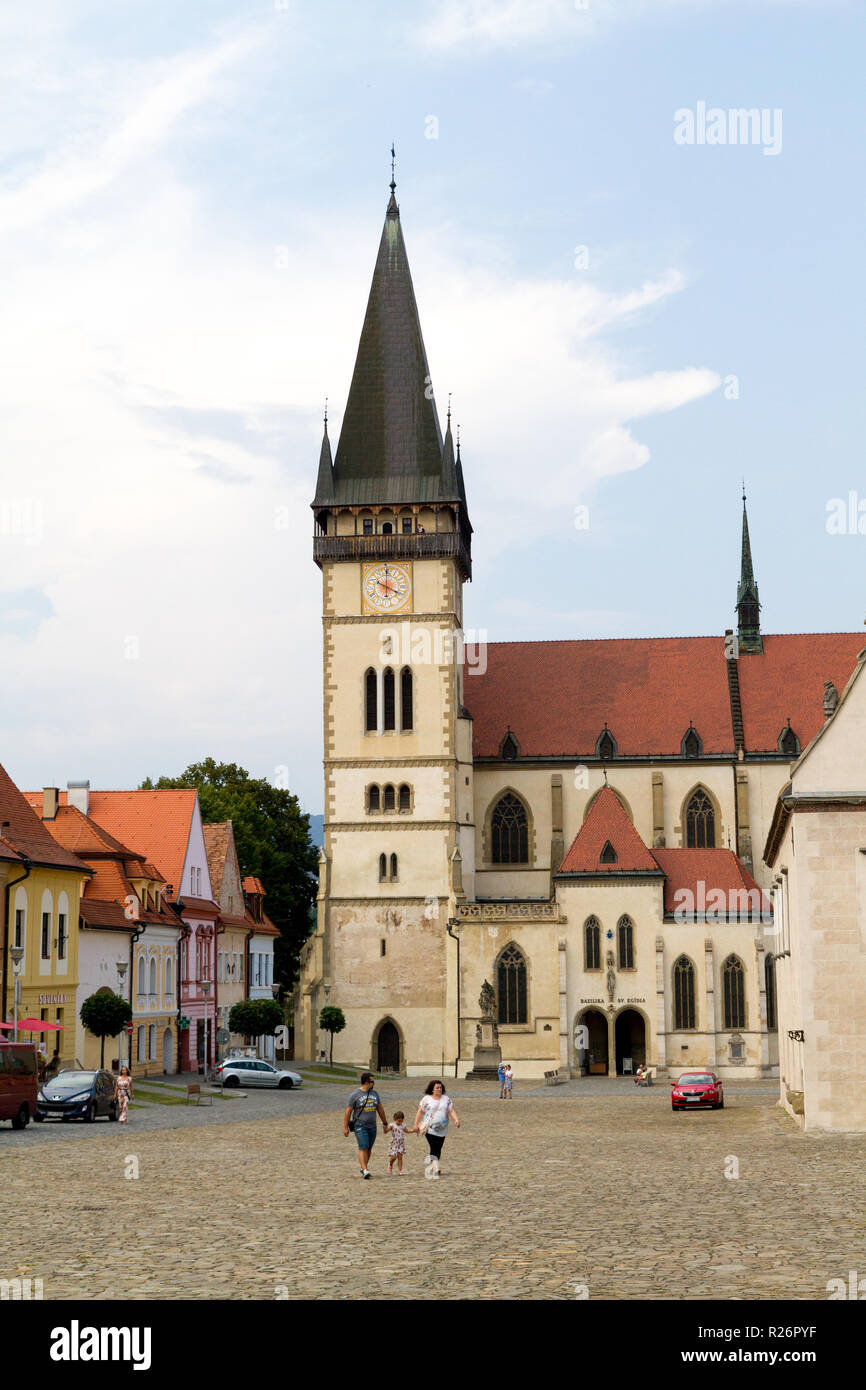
x=362, y=1108
x=434, y=1111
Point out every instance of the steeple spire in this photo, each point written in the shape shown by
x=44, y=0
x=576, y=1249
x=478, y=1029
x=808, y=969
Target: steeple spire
x=748, y=605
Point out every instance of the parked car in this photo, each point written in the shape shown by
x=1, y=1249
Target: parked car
x=243, y=1071
x=19, y=1083
x=77, y=1095
x=692, y=1089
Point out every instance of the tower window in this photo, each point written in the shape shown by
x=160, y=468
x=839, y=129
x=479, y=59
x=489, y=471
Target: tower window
x=592, y=944
x=405, y=802
x=383, y=868
x=373, y=798
x=700, y=821
x=509, y=831
x=393, y=868
x=511, y=986
x=406, y=714
x=371, y=701
x=388, y=799
x=608, y=854
x=388, y=698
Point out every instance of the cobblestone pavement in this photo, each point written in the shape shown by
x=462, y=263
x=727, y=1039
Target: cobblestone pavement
x=539, y=1198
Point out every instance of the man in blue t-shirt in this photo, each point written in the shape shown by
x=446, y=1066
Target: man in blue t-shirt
x=362, y=1107
x=501, y=1074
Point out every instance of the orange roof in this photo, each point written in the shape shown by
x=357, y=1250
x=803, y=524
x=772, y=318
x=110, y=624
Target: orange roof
x=157, y=822
x=706, y=871
x=253, y=885
x=557, y=696
x=25, y=833
x=607, y=823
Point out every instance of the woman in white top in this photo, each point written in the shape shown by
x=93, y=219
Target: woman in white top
x=434, y=1112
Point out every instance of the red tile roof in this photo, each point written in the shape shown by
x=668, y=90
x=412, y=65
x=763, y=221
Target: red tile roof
x=705, y=871
x=253, y=885
x=25, y=832
x=606, y=823
x=557, y=696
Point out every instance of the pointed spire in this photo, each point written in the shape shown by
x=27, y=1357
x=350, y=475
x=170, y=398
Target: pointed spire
x=748, y=605
x=325, y=480
x=449, y=466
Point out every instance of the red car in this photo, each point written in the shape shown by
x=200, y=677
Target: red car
x=696, y=1088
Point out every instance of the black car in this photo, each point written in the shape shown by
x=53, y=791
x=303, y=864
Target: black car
x=77, y=1095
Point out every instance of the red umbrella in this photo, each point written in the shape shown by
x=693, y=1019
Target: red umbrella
x=38, y=1025
x=8, y=1026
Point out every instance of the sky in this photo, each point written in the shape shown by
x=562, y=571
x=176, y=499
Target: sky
x=630, y=322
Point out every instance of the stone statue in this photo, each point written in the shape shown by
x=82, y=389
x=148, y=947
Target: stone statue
x=831, y=698
x=487, y=1000
x=611, y=976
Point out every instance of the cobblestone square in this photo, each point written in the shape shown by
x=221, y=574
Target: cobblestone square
x=596, y=1192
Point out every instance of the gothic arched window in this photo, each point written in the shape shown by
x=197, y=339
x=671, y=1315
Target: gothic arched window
x=388, y=698
x=625, y=943
x=371, y=702
x=373, y=798
x=152, y=976
x=383, y=867
x=700, y=821
x=393, y=868
x=684, y=993
x=509, y=831
x=405, y=798
x=734, y=990
x=608, y=854
x=592, y=944
x=770, y=988
x=511, y=986
x=406, y=713
x=388, y=801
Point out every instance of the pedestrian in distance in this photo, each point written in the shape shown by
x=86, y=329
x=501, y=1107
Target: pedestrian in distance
x=509, y=1082
x=397, y=1143
x=362, y=1107
x=501, y=1075
x=434, y=1111
x=123, y=1094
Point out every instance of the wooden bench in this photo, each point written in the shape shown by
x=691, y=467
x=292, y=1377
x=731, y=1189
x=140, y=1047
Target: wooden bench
x=200, y=1095
x=553, y=1078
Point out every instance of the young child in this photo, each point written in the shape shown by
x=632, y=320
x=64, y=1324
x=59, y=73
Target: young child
x=397, y=1145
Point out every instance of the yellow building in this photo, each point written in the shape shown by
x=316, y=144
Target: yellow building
x=42, y=897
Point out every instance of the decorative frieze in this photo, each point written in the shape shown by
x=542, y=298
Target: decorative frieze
x=505, y=912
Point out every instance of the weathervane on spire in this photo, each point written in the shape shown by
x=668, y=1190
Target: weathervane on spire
x=326, y=412
x=744, y=492
x=449, y=409
x=393, y=159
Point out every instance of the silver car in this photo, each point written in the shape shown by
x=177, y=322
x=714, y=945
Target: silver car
x=244, y=1071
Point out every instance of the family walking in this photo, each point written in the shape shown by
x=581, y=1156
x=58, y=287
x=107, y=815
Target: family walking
x=364, y=1106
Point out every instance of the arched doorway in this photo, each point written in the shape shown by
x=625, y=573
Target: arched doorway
x=167, y=1051
x=595, y=1060
x=630, y=1039
x=388, y=1047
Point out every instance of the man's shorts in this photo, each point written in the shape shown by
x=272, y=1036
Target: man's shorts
x=366, y=1137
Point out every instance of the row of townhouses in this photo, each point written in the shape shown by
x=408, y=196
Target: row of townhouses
x=128, y=892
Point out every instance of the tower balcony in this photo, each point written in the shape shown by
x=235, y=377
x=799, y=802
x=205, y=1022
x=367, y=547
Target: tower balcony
x=412, y=546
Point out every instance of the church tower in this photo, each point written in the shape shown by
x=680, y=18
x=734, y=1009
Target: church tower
x=393, y=541
x=748, y=606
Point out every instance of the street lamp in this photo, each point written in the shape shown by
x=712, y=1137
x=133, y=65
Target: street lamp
x=17, y=954
x=122, y=967
x=205, y=989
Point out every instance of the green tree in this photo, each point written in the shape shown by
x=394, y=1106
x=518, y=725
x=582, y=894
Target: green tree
x=105, y=1016
x=332, y=1021
x=272, y=835
x=255, y=1018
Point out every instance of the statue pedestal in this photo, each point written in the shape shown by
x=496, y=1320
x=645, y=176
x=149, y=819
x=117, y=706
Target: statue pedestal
x=488, y=1053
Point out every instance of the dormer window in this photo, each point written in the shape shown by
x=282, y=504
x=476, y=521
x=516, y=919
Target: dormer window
x=789, y=742
x=691, y=746
x=606, y=746
x=509, y=748
x=608, y=854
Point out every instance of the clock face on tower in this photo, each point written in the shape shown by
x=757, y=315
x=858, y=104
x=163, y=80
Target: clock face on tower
x=386, y=587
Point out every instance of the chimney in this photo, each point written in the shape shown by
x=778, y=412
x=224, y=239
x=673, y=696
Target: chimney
x=78, y=795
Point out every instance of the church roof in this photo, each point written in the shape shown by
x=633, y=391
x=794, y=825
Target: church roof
x=704, y=871
x=558, y=696
x=608, y=827
x=390, y=448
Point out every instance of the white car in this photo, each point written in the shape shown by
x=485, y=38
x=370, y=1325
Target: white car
x=244, y=1071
